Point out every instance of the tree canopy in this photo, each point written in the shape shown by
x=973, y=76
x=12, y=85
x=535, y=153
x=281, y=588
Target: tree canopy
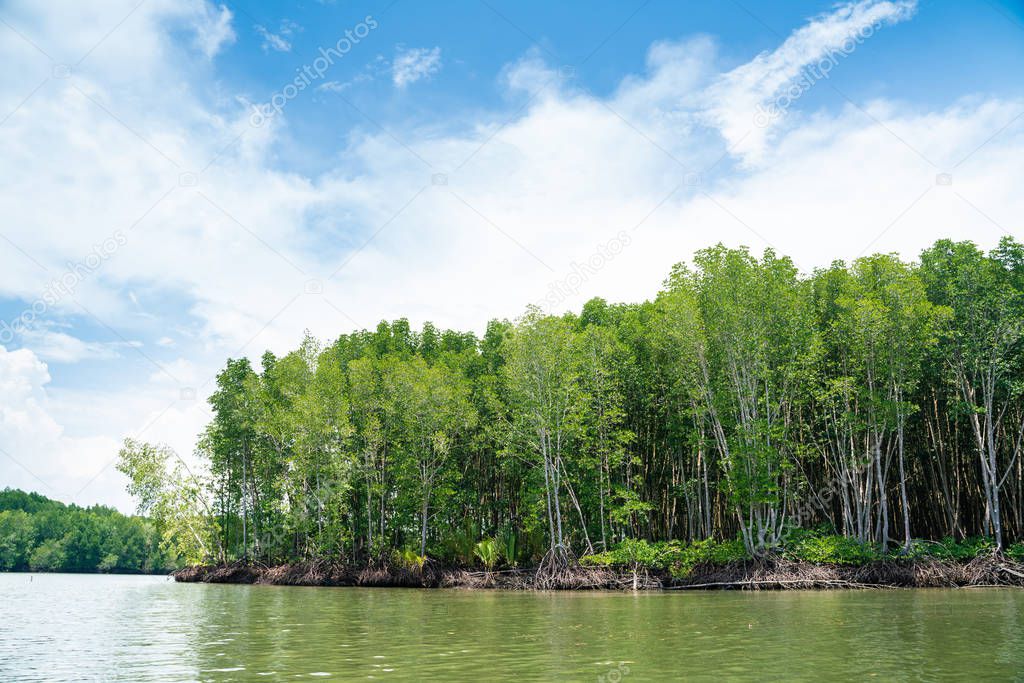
x=40, y=534
x=879, y=397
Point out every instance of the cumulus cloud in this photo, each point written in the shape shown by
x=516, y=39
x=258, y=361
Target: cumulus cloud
x=414, y=64
x=52, y=441
x=36, y=453
x=452, y=227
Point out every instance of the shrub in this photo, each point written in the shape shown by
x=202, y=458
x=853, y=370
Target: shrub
x=630, y=551
x=408, y=559
x=967, y=549
x=508, y=542
x=638, y=552
x=720, y=551
x=676, y=557
x=458, y=545
x=831, y=549
x=488, y=552
x=822, y=545
x=602, y=559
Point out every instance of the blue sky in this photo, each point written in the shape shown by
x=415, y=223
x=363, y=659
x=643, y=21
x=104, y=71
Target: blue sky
x=456, y=163
x=949, y=50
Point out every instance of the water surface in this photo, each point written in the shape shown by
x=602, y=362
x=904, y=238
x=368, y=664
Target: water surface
x=138, y=628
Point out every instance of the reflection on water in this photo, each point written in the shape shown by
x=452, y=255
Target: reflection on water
x=133, y=628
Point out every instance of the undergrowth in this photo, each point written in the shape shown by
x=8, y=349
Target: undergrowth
x=817, y=546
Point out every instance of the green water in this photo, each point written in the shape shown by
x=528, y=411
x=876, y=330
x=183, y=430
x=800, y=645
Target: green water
x=67, y=627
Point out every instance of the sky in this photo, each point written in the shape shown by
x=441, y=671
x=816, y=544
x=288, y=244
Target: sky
x=184, y=181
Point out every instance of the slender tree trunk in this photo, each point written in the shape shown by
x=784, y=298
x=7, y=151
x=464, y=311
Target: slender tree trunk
x=245, y=514
x=904, y=500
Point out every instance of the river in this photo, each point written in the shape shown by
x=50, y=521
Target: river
x=144, y=628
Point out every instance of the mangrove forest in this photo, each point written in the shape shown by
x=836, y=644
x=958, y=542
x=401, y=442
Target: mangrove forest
x=872, y=408
x=40, y=534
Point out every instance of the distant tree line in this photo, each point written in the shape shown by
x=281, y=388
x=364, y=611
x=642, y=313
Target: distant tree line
x=39, y=534
x=880, y=398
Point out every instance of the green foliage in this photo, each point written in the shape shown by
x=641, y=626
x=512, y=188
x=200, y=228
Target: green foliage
x=676, y=557
x=174, y=498
x=826, y=548
x=623, y=553
x=1016, y=552
x=408, y=559
x=49, y=556
x=823, y=547
x=460, y=543
x=14, y=499
x=488, y=552
x=508, y=545
x=17, y=538
x=638, y=552
x=627, y=507
x=708, y=551
x=40, y=534
x=108, y=563
x=951, y=549
x=881, y=396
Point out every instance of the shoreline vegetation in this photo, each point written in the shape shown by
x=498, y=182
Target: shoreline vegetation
x=811, y=559
x=750, y=425
x=761, y=574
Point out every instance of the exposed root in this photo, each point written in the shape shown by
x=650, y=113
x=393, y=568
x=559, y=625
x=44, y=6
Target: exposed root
x=775, y=584
x=556, y=569
x=774, y=573
x=559, y=571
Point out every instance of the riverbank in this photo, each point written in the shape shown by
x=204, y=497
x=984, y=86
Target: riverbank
x=766, y=574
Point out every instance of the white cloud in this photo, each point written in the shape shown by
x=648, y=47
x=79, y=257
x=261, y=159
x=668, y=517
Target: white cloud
x=67, y=457
x=737, y=98
x=180, y=373
x=52, y=345
x=333, y=86
x=277, y=41
x=414, y=64
x=342, y=86
x=36, y=454
x=526, y=198
x=214, y=31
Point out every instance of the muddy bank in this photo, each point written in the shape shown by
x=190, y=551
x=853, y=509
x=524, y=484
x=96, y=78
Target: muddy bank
x=331, y=574
x=985, y=570
x=768, y=574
